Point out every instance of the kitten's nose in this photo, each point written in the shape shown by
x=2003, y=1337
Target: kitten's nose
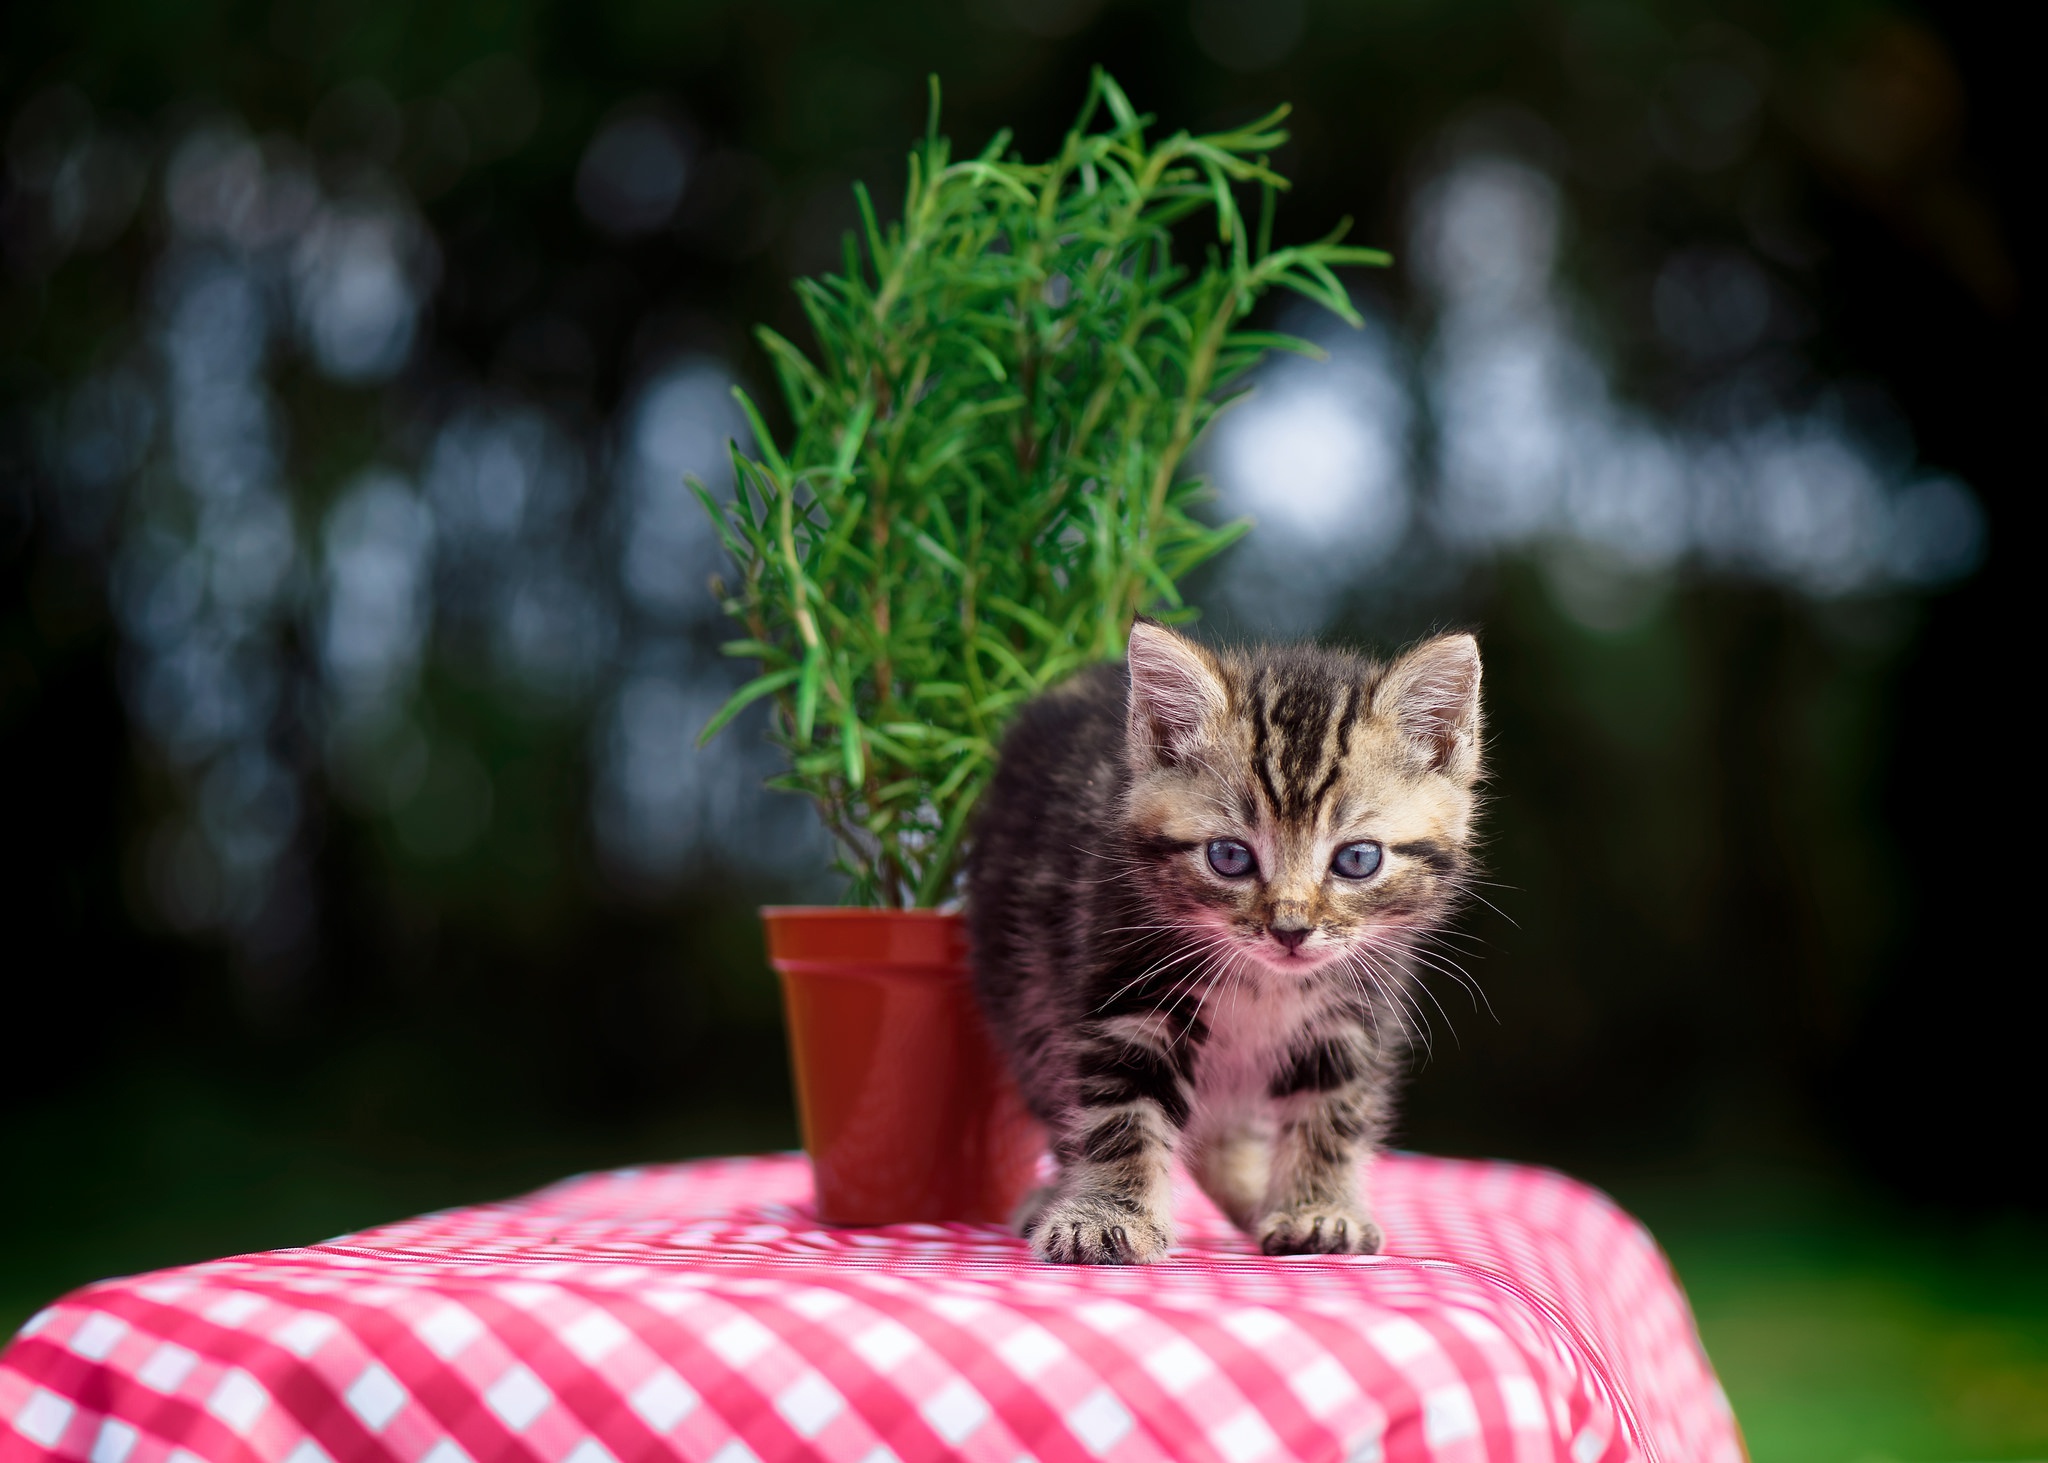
x=1289, y=932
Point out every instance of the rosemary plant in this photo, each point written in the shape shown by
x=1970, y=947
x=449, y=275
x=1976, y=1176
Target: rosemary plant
x=985, y=480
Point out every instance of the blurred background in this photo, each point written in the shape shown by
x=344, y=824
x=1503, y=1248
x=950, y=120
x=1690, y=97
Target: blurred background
x=354, y=636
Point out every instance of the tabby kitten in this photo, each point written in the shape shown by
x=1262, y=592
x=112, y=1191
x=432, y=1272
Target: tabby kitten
x=1196, y=885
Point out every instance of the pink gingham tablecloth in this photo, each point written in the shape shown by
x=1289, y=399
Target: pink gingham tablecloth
x=698, y=1311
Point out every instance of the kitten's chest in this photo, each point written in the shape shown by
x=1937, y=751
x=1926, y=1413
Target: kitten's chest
x=1250, y=1036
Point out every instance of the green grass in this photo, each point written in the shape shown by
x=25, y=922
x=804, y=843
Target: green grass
x=1846, y=1328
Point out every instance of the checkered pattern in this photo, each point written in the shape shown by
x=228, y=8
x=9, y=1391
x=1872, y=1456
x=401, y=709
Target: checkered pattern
x=697, y=1311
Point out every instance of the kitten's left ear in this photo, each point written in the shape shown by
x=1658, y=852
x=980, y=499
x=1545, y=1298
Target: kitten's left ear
x=1174, y=690
x=1432, y=694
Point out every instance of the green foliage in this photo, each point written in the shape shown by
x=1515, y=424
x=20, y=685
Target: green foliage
x=984, y=484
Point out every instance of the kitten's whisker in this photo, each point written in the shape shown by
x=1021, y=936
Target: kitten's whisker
x=1398, y=988
x=1219, y=956
x=1128, y=867
x=1464, y=982
x=1442, y=962
x=1449, y=1024
x=1142, y=977
x=1225, y=969
x=1180, y=982
x=1393, y=995
x=1468, y=891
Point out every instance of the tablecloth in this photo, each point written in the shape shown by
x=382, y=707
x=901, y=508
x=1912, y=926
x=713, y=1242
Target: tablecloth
x=699, y=1311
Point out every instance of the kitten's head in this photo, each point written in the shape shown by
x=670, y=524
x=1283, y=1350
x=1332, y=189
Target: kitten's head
x=1296, y=806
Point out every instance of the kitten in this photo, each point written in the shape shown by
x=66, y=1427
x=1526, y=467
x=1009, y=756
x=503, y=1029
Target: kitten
x=1196, y=881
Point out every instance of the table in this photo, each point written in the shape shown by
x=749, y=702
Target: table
x=698, y=1311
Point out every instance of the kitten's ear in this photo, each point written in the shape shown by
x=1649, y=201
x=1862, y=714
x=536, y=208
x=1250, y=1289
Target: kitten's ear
x=1432, y=695
x=1175, y=688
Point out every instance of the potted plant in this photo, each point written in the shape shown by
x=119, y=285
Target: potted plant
x=983, y=484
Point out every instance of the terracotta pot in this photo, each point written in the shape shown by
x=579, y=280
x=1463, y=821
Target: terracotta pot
x=908, y=1111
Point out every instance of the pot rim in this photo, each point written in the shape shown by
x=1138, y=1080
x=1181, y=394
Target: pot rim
x=851, y=911
x=821, y=938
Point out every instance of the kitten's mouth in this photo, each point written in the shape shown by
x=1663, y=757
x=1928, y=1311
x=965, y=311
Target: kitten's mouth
x=1290, y=959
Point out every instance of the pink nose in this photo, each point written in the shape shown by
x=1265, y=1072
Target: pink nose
x=1287, y=936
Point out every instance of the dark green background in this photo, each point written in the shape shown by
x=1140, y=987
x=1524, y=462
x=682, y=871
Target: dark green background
x=1759, y=862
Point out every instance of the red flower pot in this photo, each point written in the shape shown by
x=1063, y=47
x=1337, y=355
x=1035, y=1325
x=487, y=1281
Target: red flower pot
x=908, y=1110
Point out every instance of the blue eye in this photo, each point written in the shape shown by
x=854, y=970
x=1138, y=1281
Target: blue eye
x=1230, y=858
x=1354, y=861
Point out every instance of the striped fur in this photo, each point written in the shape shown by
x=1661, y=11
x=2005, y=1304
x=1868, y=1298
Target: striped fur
x=1250, y=1024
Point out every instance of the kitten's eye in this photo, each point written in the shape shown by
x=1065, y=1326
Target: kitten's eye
x=1230, y=858
x=1354, y=861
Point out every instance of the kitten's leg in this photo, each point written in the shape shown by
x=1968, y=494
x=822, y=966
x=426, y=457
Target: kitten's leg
x=1330, y=1104
x=1110, y=1204
x=1232, y=1166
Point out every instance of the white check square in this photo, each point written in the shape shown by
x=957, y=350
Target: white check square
x=663, y=1400
x=740, y=1340
x=1030, y=1350
x=1244, y=1438
x=448, y=1330
x=305, y=1333
x=43, y=1418
x=1100, y=1422
x=956, y=1412
x=97, y=1336
x=1524, y=1404
x=116, y=1440
x=375, y=1396
x=816, y=1305
x=885, y=1344
x=1323, y=1386
x=234, y=1309
x=809, y=1404
x=1448, y=1414
x=594, y=1336
x=1254, y=1326
x=518, y=1397
x=167, y=1367
x=1400, y=1340
x=238, y=1400
x=1179, y=1365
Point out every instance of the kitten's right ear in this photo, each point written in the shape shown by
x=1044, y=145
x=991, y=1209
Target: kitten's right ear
x=1175, y=689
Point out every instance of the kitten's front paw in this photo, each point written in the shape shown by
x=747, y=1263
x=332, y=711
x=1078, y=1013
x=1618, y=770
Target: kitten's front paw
x=1319, y=1229
x=1094, y=1229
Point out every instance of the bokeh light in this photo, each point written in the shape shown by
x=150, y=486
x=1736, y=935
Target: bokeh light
x=1533, y=446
